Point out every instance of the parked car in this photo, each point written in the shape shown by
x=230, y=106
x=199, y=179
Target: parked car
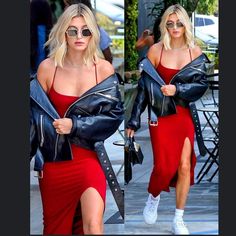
x=206, y=29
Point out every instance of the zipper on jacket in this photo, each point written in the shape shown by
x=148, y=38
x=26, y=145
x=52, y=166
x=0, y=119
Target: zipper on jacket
x=55, y=149
x=41, y=131
x=186, y=69
x=152, y=94
x=102, y=90
x=108, y=96
x=163, y=100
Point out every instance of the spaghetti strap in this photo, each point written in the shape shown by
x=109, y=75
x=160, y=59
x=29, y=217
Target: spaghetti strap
x=53, y=78
x=96, y=74
x=161, y=53
x=190, y=54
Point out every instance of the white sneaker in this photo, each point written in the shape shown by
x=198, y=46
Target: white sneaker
x=150, y=210
x=179, y=227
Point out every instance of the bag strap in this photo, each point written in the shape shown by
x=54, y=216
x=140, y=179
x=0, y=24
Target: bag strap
x=110, y=176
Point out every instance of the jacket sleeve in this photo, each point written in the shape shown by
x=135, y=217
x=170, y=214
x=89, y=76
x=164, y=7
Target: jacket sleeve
x=194, y=90
x=98, y=127
x=139, y=106
x=33, y=137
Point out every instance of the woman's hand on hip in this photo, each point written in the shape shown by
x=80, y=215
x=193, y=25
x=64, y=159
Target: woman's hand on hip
x=168, y=90
x=62, y=125
x=129, y=132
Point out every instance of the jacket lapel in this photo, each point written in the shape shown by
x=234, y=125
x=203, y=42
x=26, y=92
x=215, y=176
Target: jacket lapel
x=39, y=96
x=148, y=67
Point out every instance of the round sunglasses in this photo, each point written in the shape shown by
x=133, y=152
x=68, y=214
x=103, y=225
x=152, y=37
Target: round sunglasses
x=74, y=32
x=171, y=25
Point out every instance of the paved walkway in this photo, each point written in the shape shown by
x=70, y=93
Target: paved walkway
x=201, y=212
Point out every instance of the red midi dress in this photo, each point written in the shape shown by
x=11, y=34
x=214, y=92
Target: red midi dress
x=167, y=143
x=64, y=182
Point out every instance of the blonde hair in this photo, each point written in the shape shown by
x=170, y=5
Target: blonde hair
x=184, y=18
x=57, y=38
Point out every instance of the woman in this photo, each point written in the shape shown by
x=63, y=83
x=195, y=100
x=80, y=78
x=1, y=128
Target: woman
x=105, y=40
x=173, y=76
x=75, y=106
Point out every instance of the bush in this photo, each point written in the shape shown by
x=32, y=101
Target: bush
x=131, y=15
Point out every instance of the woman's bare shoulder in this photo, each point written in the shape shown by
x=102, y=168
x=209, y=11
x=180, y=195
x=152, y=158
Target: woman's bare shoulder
x=45, y=73
x=104, y=69
x=196, y=51
x=154, y=53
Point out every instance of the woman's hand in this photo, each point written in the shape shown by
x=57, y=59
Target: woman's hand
x=130, y=132
x=146, y=33
x=168, y=90
x=63, y=125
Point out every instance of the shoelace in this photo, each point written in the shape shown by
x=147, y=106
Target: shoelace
x=181, y=224
x=152, y=205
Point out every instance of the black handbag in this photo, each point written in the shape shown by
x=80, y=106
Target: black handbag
x=133, y=155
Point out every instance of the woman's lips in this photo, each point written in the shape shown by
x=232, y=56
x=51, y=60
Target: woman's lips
x=79, y=43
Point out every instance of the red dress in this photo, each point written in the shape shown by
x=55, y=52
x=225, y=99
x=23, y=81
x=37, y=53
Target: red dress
x=167, y=142
x=64, y=182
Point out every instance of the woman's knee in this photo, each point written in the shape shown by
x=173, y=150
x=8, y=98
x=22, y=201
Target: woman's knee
x=92, y=207
x=93, y=226
x=184, y=169
x=184, y=166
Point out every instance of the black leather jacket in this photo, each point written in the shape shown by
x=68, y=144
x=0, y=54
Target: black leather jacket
x=191, y=83
x=96, y=115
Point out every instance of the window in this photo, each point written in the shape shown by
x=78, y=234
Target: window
x=209, y=22
x=199, y=21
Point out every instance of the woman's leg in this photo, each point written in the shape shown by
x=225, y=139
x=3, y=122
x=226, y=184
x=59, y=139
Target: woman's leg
x=92, y=207
x=183, y=181
x=182, y=188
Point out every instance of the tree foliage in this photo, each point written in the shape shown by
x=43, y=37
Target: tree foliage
x=207, y=7
x=131, y=15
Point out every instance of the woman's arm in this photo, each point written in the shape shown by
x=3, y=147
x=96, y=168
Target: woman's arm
x=98, y=127
x=139, y=106
x=146, y=39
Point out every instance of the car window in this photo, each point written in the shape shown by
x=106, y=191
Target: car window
x=209, y=22
x=199, y=21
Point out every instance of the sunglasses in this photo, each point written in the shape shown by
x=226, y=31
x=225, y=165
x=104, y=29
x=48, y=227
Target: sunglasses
x=75, y=32
x=171, y=25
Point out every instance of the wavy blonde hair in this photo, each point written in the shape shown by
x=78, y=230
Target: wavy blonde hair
x=184, y=18
x=57, y=38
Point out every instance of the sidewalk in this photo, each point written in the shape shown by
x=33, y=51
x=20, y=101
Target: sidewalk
x=201, y=212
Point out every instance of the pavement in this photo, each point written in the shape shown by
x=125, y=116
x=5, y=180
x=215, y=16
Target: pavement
x=201, y=212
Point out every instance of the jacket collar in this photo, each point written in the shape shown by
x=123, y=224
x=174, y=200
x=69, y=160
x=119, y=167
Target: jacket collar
x=40, y=97
x=148, y=67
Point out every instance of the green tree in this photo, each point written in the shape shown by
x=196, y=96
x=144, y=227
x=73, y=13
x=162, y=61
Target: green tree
x=189, y=5
x=131, y=15
x=207, y=7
